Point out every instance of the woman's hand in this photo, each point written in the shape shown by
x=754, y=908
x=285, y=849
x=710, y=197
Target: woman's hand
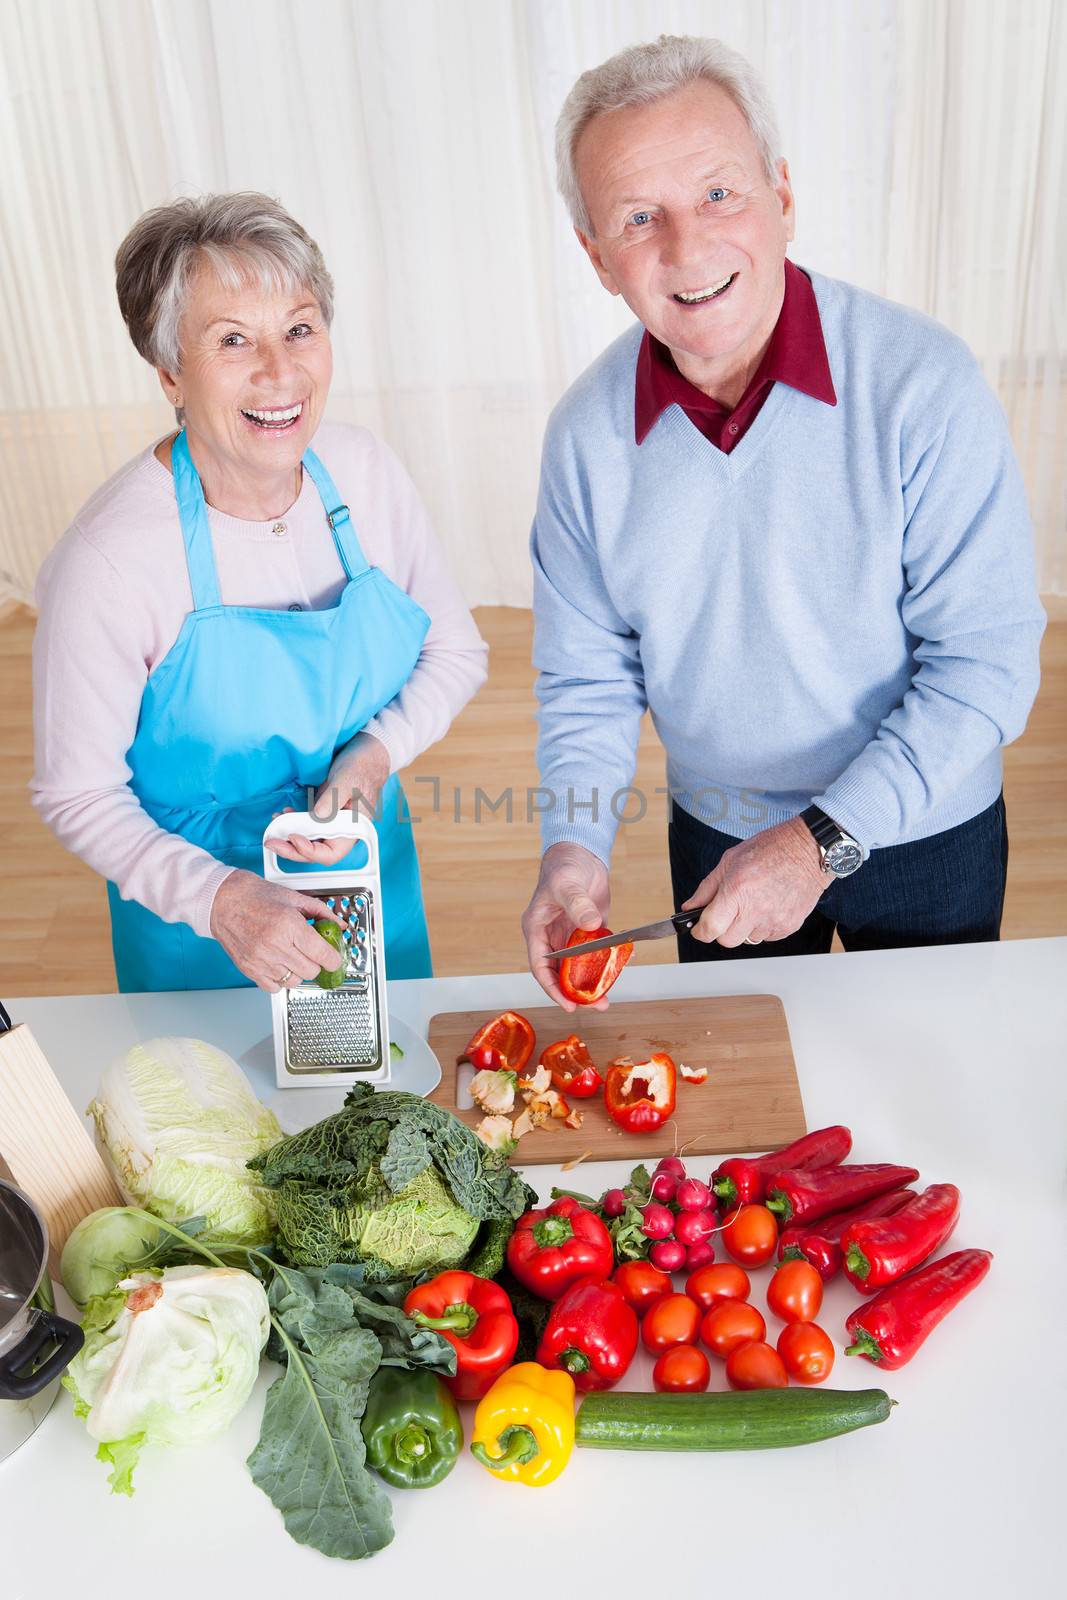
x=572, y=892
x=762, y=888
x=356, y=778
x=262, y=928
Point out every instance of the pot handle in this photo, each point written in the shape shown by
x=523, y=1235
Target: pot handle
x=16, y=1385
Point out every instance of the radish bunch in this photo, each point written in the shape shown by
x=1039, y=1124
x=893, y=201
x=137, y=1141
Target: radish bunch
x=679, y=1217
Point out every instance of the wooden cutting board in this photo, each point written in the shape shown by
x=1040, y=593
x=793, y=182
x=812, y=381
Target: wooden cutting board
x=750, y=1101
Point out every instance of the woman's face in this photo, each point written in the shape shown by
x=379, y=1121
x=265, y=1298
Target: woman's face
x=255, y=372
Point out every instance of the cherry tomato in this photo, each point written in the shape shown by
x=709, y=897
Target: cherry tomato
x=750, y=1235
x=795, y=1292
x=730, y=1323
x=642, y=1284
x=721, y=1282
x=683, y=1369
x=756, y=1366
x=807, y=1352
x=672, y=1320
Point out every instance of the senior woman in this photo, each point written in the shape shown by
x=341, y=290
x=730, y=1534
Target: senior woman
x=251, y=613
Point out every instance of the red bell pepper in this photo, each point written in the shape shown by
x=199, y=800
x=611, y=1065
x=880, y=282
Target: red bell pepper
x=879, y=1251
x=807, y=1196
x=889, y=1329
x=553, y=1248
x=591, y=1333
x=640, y=1095
x=740, y=1180
x=572, y=1068
x=509, y=1035
x=820, y=1242
x=584, y=979
x=475, y=1316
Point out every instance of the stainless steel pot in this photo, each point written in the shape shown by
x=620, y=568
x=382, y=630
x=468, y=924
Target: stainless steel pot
x=36, y=1345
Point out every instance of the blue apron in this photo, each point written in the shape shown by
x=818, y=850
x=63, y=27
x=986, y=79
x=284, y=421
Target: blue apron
x=243, y=716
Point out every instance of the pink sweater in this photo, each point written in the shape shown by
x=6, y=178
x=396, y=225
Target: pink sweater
x=113, y=595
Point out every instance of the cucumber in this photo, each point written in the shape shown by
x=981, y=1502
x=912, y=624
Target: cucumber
x=333, y=935
x=753, y=1419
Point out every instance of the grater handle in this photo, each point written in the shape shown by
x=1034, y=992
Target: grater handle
x=345, y=825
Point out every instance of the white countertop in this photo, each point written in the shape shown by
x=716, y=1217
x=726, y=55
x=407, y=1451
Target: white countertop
x=950, y=1058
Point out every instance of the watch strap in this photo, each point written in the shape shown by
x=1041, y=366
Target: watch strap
x=823, y=829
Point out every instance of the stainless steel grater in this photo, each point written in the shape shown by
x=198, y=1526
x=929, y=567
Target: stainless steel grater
x=337, y=1035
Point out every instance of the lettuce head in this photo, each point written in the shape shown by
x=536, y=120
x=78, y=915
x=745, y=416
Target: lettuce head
x=178, y=1124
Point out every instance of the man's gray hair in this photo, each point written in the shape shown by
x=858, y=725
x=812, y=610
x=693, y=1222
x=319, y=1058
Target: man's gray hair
x=648, y=72
x=244, y=237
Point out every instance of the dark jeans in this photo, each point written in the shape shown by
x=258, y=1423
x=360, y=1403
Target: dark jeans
x=947, y=889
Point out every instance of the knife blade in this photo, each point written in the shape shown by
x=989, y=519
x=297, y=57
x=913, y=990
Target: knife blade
x=651, y=930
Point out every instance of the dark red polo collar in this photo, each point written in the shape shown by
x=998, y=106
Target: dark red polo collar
x=796, y=355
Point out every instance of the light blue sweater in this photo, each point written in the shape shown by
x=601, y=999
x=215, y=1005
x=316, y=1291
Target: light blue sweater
x=842, y=610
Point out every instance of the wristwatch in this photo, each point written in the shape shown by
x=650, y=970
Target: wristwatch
x=841, y=855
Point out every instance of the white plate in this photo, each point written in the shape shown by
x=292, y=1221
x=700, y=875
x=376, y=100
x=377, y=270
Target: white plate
x=418, y=1071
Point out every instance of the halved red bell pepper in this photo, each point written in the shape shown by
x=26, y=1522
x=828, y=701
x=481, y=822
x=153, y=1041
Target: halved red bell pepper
x=509, y=1035
x=591, y=1333
x=584, y=979
x=552, y=1248
x=474, y=1314
x=572, y=1068
x=640, y=1095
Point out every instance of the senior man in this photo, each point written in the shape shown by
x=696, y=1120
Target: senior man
x=785, y=515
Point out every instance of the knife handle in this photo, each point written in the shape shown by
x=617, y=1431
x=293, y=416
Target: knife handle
x=685, y=919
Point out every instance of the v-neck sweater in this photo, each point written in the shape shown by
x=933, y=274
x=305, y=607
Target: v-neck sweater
x=113, y=595
x=842, y=609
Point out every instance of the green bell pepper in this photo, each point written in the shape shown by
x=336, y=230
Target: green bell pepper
x=411, y=1428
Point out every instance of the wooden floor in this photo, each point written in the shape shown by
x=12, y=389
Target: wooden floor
x=478, y=865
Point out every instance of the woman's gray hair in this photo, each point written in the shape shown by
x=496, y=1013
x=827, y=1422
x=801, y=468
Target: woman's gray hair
x=648, y=72
x=244, y=237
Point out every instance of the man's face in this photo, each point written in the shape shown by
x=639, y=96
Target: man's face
x=680, y=203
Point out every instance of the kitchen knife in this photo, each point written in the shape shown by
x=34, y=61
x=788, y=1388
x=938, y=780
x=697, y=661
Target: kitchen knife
x=651, y=930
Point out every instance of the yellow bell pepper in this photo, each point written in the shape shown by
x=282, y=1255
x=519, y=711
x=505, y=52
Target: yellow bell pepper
x=524, y=1426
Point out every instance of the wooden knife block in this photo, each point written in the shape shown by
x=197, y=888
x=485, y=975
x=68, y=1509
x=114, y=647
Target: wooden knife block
x=45, y=1146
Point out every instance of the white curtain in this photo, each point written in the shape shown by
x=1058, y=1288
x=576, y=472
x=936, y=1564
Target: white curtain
x=926, y=140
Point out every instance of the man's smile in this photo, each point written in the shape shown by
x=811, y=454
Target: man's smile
x=700, y=297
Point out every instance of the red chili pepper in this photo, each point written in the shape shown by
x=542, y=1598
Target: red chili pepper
x=740, y=1180
x=640, y=1095
x=878, y=1252
x=553, y=1248
x=806, y=1196
x=820, y=1242
x=889, y=1329
x=572, y=1069
x=475, y=1316
x=591, y=1333
x=584, y=979
x=509, y=1035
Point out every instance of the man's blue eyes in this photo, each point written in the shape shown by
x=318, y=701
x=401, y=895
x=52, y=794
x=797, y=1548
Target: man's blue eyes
x=639, y=218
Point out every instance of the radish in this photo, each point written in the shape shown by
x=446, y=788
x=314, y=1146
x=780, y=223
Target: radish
x=693, y=1226
x=613, y=1202
x=668, y=1255
x=672, y=1164
x=658, y=1221
x=699, y=1254
x=693, y=1195
x=664, y=1185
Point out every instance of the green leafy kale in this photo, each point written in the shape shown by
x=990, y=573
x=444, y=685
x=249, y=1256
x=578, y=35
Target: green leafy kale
x=392, y=1182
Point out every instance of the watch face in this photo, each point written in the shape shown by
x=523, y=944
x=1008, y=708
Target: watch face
x=843, y=858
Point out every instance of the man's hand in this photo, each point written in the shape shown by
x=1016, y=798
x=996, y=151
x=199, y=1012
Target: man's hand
x=762, y=888
x=572, y=892
x=359, y=772
x=263, y=930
